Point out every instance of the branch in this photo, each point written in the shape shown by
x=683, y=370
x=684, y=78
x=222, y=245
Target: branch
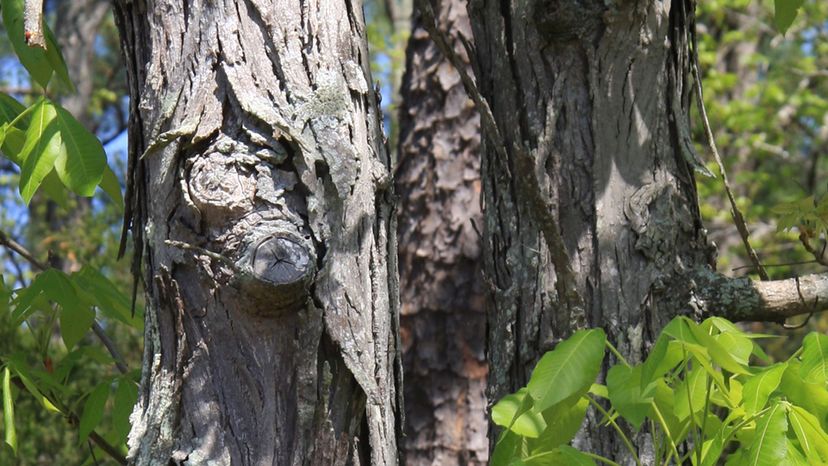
x=742, y=299
x=18, y=248
x=75, y=421
x=33, y=24
x=738, y=218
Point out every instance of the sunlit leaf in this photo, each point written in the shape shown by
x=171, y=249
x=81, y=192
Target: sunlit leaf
x=571, y=367
x=814, y=367
x=513, y=412
x=769, y=445
x=812, y=438
x=757, y=389
x=41, y=150
x=81, y=161
x=8, y=412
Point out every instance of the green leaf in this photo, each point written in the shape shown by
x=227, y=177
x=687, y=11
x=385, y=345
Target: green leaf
x=718, y=353
x=769, y=445
x=81, y=161
x=32, y=58
x=8, y=411
x=662, y=358
x=125, y=398
x=811, y=396
x=55, y=58
x=93, y=410
x=42, y=148
x=564, y=455
x=664, y=398
x=812, y=438
x=627, y=395
x=562, y=423
x=509, y=447
x=785, y=12
x=758, y=388
x=109, y=299
x=31, y=386
x=13, y=141
x=814, y=367
x=112, y=187
x=571, y=367
x=691, y=391
x=513, y=412
x=10, y=108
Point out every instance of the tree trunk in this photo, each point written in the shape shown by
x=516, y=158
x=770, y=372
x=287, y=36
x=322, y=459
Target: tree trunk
x=443, y=317
x=261, y=209
x=591, y=104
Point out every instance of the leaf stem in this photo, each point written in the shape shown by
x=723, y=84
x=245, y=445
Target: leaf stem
x=601, y=458
x=617, y=353
x=617, y=428
x=667, y=432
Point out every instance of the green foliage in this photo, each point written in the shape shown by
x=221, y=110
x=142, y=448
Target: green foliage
x=52, y=370
x=697, y=386
x=785, y=12
x=40, y=63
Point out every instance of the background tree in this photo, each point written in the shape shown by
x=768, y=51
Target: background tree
x=261, y=210
x=588, y=174
x=442, y=294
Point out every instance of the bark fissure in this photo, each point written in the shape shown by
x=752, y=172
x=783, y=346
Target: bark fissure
x=260, y=192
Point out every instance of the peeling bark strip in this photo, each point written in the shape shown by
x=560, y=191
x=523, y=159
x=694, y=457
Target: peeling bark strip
x=260, y=207
x=443, y=322
x=586, y=92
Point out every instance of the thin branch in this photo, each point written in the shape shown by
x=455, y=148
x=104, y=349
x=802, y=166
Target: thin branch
x=743, y=299
x=738, y=218
x=120, y=363
x=18, y=248
x=75, y=421
x=96, y=328
x=33, y=24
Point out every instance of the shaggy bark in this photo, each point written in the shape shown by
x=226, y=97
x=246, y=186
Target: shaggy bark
x=591, y=100
x=260, y=206
x=443, y=317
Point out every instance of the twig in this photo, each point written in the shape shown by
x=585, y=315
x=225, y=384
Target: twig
x=75, y=421
x=33, y=24
x=110, y=346
x=738, y=218
x=18, y=248
x=96, y=328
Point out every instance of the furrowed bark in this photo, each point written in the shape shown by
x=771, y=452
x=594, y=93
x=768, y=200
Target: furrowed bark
x=593, y=97
x=443, y=317
x=261, y=209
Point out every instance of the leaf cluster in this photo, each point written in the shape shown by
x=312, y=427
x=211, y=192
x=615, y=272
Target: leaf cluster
x=697, y=393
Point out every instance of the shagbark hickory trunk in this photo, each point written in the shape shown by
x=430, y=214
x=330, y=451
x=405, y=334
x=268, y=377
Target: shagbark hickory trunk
x=443, y=321
x=591, y=100
x=261, y=211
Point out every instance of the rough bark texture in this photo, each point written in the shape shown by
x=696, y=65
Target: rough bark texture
x=443, y=318
x=261, y=209
x=594, y=95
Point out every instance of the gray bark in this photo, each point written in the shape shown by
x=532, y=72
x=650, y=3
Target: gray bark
x=591, y=99
x=443, y=318
x=261, y=209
